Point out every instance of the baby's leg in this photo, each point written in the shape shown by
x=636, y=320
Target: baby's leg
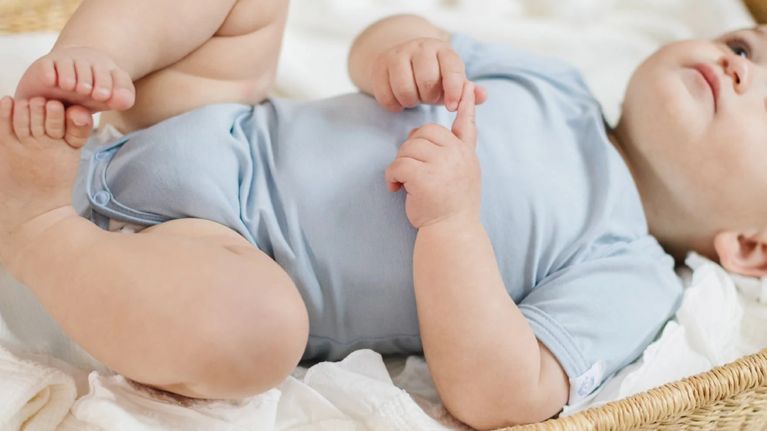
x=108, y=44
x=237, y=65
x=187, y=306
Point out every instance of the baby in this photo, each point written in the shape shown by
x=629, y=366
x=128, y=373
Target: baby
x=280, y=232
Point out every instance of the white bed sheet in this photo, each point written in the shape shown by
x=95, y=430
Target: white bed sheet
x=48, y=378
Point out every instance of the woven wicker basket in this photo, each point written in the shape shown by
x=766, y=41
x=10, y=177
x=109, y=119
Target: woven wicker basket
x=18, y=16
x=731, y=397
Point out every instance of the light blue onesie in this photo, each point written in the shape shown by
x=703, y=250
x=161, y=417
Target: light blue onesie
x=304, y=182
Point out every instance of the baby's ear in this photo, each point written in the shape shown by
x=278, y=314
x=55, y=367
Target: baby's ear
x=741, y=253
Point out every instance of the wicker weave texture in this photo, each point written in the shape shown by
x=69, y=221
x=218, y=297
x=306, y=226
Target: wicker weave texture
x=17, y=16
x=728, y=398
x=758, y=9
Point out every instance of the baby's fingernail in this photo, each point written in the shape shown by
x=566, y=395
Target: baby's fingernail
x=79, y=119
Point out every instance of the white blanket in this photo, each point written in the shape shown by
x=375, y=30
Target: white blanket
x=47, y=379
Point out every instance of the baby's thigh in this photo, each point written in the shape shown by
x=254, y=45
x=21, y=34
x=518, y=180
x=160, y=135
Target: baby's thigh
x=236, y=65
x=246, y=46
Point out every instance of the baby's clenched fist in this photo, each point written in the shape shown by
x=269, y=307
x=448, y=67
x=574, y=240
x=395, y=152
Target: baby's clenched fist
x=423, y=70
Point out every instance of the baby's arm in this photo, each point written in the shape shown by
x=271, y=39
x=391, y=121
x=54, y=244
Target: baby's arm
x=108, y=44
x=487, y=365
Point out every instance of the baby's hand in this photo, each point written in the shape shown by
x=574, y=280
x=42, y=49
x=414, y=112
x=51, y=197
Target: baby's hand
x=79, y=76
x=440, y=169
x=424, y=70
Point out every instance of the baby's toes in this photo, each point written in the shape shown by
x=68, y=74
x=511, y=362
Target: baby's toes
x=37, y=117
x=47, y=72
x=79, y=123
x=102, y=84
x=6, y=114
x=84, y=78
x=21, y=119
x=54, y=119
x=123, y=91
x=65, y=74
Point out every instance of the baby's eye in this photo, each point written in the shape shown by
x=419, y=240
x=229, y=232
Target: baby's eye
x=739, y=47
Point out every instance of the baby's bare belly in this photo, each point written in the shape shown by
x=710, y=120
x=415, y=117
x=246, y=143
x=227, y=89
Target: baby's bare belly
x=237, y=65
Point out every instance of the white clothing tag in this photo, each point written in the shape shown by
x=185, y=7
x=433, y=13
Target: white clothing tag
x=583, y=385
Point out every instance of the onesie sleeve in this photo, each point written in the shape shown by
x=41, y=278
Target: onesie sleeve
x=599, y=315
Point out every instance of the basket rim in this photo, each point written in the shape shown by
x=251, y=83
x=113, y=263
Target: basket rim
x=26, y=16
x=674, y=399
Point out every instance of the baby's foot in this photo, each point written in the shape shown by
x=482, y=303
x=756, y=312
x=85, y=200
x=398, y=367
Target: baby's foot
x=39, y=155
x=79, y=76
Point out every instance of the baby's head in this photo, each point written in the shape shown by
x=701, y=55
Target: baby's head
x=700, y=160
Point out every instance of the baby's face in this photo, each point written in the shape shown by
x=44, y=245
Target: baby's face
x=695, y=115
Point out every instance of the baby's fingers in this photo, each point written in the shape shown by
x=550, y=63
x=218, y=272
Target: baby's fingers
x=453, y=77
x=464, y=126
x=401, y=171
x=427, y=76
x=480, y=94
x=403, y=82
x=419, y=149
x=382, y=89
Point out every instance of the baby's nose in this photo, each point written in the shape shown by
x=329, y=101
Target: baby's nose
x=738, y=69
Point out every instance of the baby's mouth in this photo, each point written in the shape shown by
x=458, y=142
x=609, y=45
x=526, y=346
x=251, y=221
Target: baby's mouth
x=711, y=79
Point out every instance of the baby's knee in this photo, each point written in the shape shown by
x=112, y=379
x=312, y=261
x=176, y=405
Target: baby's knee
x=246, y=352
x=255, y=357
